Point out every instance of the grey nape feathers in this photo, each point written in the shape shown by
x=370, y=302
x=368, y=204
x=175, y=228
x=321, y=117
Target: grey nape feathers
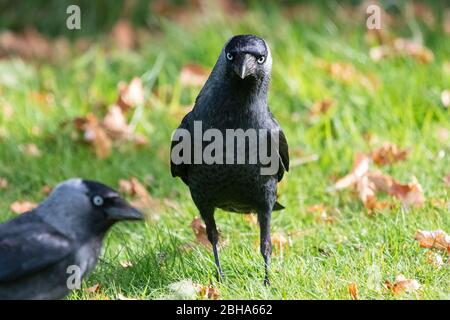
x=235, y=96
x=38, y=247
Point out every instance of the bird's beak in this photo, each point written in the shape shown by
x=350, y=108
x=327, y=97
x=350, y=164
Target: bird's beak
x=121, y=210
x=244, y=67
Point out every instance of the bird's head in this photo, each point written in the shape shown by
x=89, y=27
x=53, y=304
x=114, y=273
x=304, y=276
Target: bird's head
x=248, y=56
x=85, y=205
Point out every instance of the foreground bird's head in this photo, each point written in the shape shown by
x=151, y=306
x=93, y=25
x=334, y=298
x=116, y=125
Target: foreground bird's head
x=79, y=206
x=247, y=57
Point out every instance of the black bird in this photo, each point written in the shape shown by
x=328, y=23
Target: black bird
x=39, y=248
x=235, y=96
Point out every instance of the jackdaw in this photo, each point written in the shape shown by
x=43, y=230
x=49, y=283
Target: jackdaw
x=48, y=251
x=235, y=96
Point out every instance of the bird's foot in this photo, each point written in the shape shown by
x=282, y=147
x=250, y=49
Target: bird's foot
x=267, y=281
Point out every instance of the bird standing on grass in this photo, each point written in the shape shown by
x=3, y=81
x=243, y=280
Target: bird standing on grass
x=235, y=96
x=41, y=249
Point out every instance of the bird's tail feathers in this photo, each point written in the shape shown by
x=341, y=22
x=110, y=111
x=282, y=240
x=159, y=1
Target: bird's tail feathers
x=278, y=206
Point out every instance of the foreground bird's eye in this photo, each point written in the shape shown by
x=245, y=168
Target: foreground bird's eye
x=261, y=59
x=97, y=200
x=229, y=56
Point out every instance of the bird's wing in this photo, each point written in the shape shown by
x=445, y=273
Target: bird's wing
x=283, y=150
x=28, y=245
x=180, y=170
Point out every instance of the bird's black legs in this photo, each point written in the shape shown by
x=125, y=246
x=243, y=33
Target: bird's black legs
x=265, y=242
x=213, y=237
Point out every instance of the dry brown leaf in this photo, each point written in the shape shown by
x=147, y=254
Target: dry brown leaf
x=199, y=229
x=435, y=259
x=437, y=239
x=94, y=289
x=279, y=241
x=445, y=98
x=141, y=197
x=115, y=123
x=96, y=135
x=366, y=190
x=389, y=153
x=401, y=284
x=131, y=95
x=359, y=169
x=321, y=107
x=321, y=213
x=3, y=183
x=402, y=47
x=28, y=44
x=207, y=292
x=410, y=195
x=124, y=35
x=46, y=189
x=353, y=290
x=30, y=149
x=193, y=75
x=20, y=207
x=347, y=73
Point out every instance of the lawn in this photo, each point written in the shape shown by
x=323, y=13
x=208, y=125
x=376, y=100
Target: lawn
x=397, y=100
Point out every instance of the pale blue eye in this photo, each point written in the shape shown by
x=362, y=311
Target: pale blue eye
x=229, y=56
x=97, y=200
x=261, y=59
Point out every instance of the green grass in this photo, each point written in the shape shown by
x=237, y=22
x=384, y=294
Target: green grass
x=322, y=258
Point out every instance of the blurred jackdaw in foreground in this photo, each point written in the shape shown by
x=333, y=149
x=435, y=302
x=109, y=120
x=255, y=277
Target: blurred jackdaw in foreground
x=48, y=251
x=235, y=96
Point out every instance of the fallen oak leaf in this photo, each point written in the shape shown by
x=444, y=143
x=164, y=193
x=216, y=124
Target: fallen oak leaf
x=115, y=123
x=389, y=153
x=123, y=35
x=130, y=95
x=437, y=239
x=20, y=207
x=321, y=213
x=359, y=169
x=410, y=194
x=93, y=289
x=435, y=259
x=46, y=189
x=279, y=241
x=402, y=284
x=96, y=135
x=321, y=107
x=207, y=292
x=141, y=197
x=353, y=290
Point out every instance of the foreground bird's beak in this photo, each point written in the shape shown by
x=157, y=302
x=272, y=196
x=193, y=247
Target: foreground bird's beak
x=123, y=211
x=244, y=68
